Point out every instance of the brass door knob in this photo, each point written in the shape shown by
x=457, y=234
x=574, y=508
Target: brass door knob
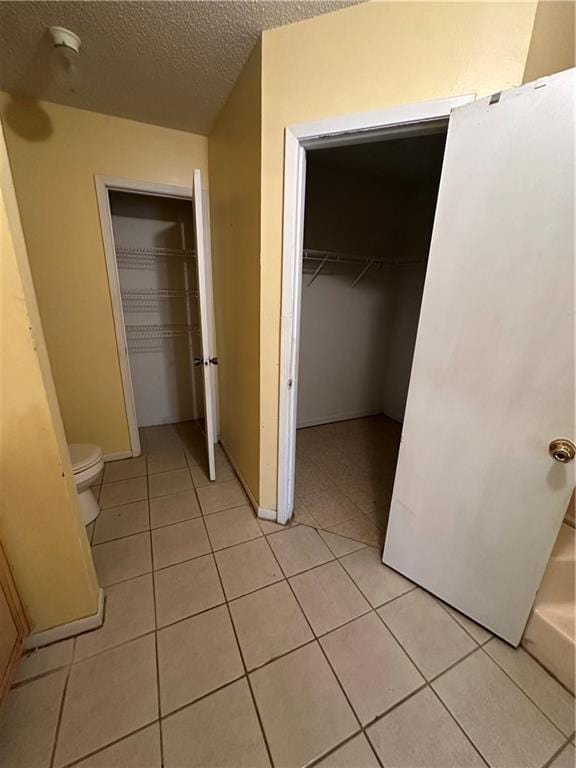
x=562, y=450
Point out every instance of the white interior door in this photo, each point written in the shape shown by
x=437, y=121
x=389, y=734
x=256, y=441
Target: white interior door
x=478, y=500
x=205, y=301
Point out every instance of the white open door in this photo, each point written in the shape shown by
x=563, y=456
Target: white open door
x=208, y=360
x=478, y=499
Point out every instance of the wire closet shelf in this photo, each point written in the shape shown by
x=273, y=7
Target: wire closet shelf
x=314, y=262
x=152, y=299
x=154, y=338
x=129, y=257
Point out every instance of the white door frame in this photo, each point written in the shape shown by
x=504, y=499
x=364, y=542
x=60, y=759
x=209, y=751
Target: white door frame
x=405, y=120
x=104, y=185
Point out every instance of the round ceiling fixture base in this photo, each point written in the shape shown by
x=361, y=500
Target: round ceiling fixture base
x=64, y=37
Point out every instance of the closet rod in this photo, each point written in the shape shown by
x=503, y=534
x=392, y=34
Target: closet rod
x=309, y=254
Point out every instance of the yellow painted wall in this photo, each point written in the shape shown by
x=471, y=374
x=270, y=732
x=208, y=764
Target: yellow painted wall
x=552, y=43
x=40, y=524
x=234, y=147
x=55, y=151
x=366, y=57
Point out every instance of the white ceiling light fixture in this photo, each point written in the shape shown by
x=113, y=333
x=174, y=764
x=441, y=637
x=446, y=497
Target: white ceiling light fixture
x=66, y=57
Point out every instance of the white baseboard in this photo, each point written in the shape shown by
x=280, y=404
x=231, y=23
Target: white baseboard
x=337, y=417
x=267, y=514
x=167, y=420
x=117, y=456
x=72, y=628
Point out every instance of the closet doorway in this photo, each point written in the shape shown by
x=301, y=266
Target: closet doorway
x=158, y=259
x=482, y=480
x=368, y=217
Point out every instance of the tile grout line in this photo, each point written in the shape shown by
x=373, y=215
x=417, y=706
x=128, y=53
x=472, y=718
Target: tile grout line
x=428, y=682
x=156, y=655
x=109, y=744
x=200, y=613
x=501, y=668
x=61, y=708
x=281, y=655
x=243, y=660
x=324, y=654
x=459, y=726
x=446, y=608
x=227, y=600
x=315, y=639
x=558, y=752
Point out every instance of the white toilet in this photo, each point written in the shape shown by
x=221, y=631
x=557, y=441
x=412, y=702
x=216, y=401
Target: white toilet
x=87, y=464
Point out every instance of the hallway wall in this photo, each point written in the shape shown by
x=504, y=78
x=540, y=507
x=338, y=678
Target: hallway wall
x=41, y=529
x=234, y=147
x=55, y=151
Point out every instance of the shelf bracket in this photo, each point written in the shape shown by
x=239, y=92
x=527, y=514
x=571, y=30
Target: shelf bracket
x=361, y=275
x=318, y=270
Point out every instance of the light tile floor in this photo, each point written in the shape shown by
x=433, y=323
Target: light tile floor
x=229, y=641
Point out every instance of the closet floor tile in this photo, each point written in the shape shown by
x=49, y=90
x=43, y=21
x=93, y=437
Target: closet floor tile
x=28, y=722
x=339, y=545
x=187, y=588
x=501, y=721
x=196, y=656
x=421, y=732
x=181, y=541
x=220, y=730
x=166, y=483
x=173, y=509
x=117, y=522
x=123, y=492
x=372, y=667
x=328, y=597
x=140, y=750
x=213, y=654
x=376, y=581
x=220, y=496
x=122, y=559
x=356, y=753
x=46, y=659
x=108, y=697
x=247, y=567
x=303, y=709
x=269, y=623
x=125, y=469
x=330, y=507
x=298, y=549
x=232, y=526
x=166, y=462
x=431, y=637
x=129, y=613
x=224, y=473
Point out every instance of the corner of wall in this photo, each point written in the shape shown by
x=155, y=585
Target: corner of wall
x=552, y=43
x=235, y=197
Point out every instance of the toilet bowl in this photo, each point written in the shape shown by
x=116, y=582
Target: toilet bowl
x=87, y=464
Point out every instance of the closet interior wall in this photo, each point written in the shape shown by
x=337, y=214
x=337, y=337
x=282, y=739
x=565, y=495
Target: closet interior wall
x=154, y=243
x=375, y=201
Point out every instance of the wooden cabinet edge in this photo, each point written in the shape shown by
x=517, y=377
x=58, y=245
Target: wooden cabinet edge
x=20, y=621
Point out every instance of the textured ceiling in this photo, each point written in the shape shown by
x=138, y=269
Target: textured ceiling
x=169, y=63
